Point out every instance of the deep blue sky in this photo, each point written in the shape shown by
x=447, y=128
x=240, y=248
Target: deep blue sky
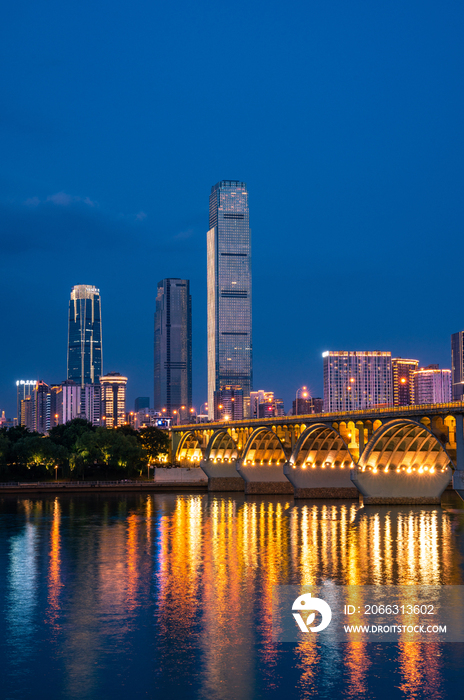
x=345, y=119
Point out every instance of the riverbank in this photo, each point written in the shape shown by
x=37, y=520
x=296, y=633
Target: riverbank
x=54, y=487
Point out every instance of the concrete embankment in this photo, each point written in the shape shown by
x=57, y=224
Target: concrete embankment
x=164, y=480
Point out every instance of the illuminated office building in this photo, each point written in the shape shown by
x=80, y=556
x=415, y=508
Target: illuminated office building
x=229, y=290
x=84, y=335
x=24, y=387
x=457, y=366
x=355, y=381
x=263, y=404
x=432, y=385
x=228, y=403
x=173, y=347
x=403, y=381
x=113, y=399
x=305, y=407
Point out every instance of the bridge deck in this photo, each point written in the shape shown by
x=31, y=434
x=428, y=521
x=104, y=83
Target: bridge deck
x=390, y=412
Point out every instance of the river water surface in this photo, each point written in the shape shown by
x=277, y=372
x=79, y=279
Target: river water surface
x=170, y=596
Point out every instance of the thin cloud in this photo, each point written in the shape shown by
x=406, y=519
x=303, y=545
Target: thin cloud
x=60, y=199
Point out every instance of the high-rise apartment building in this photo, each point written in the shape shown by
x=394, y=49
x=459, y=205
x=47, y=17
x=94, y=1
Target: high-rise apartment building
x=173, y=346
x=70, y=401
x=457, y=366
x=432, y=385
x=26, y=412
x=403, y=381
x=84, y=335
x=41, y=407
x=229, y=290
x=357, y=380
x=91, y=403
x=24, y=387
x=113, y=399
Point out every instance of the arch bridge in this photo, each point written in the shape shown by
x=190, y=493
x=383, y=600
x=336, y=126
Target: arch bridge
x=402, y=454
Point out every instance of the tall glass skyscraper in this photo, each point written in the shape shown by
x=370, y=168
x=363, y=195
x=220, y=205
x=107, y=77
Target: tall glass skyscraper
x=457, y=366
x=229, y=290
x=173, y=346
x=84, y=335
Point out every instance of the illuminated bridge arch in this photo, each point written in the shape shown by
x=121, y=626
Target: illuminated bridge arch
x=264, y=447
x=221, y=447
x=404, y=445
x=321, y=446
x=189, y=449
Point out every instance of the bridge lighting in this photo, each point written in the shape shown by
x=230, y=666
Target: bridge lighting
x=426, y=469
x=313, y=466
x=432, y=470
x=408, y=470
x=303, y=466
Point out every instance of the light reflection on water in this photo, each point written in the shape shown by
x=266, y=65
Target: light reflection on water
x=172, y=594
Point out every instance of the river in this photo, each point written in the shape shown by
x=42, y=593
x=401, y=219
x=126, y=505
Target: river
x=170, y=596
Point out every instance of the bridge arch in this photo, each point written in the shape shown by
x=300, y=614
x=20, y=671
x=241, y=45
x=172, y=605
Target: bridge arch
x=221, y=447
x=189, y=449
x=404, y=445
x=321, y=446
x=264, y=447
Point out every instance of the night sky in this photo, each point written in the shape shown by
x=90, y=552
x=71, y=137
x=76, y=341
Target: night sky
x=345, y=119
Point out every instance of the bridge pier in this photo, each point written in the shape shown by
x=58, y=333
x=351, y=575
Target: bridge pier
x=222, y=475
x=403, y=463
x=321, y=482
x=264, y=478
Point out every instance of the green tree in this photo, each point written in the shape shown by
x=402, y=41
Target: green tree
x=155, y=443
x=68, y=436
x=118, y=451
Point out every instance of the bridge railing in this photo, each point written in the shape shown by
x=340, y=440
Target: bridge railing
x=336, y=415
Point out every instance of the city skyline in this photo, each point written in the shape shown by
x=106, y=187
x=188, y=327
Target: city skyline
x=85, y=318
x=350, y=146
